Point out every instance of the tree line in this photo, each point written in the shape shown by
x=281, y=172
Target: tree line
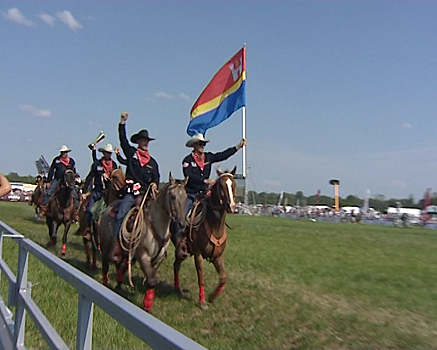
x=378, y=202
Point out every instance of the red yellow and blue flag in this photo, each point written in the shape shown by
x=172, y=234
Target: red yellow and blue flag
x=225, y=94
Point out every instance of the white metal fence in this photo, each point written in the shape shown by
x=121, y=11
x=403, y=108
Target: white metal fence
x=152, y=331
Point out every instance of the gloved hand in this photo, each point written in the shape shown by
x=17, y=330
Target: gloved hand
x=242, y=143
x=123, y=117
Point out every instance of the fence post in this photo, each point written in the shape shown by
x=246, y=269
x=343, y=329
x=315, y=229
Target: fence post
x=84, y=323
x=21, y=286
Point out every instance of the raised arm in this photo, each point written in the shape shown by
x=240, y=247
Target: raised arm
x=124, y=143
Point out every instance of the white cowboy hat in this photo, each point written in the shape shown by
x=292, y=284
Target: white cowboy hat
x=195, y=139
x=64, y=149
x=106, y=148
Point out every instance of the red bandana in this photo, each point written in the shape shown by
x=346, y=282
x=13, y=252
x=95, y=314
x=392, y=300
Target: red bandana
x=107, y=166
x=200, y=160
x=65, y=160
x=143, y=156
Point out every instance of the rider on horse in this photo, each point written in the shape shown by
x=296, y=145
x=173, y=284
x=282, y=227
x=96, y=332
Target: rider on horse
x=58, y=167
x=197, y=166
x=142, y=172
x=100, y=172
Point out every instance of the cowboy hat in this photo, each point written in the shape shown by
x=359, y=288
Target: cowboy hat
x=195, y=139
x=64, y=149
x=106, y=148
x=142, y=134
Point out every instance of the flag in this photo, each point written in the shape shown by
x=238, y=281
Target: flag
x=225, y=94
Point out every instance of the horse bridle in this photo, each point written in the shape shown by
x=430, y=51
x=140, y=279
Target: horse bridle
x=219, y=192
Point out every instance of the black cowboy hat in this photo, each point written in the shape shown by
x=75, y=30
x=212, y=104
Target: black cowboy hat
x=142, y=134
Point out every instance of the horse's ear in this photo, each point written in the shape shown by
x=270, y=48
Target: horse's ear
x=234, y=170
x=186, y=180
x=170, y=178
x=219, y=172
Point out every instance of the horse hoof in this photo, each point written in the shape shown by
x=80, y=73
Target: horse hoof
x=180, y=294
x=51, y=243
x=204, y=306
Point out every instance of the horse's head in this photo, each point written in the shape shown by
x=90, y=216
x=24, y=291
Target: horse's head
x=224, y=190
x=118, y=179
x=68, y=179
x=176, y=198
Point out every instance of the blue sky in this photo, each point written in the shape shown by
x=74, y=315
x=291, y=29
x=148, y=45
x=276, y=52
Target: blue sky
x=335, y=89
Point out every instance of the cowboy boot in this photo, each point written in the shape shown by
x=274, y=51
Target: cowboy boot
x=43, y=210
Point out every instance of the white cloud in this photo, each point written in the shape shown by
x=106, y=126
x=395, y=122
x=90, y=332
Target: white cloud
x=14, y=15
x=47, y=19
x=183, y=96
x=406, y=125
x=162, y=94
x=67, y=18
x=168, y=96
x=35, y=111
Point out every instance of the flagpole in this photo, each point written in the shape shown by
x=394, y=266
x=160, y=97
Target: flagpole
x=244, y=137
x=244, y=123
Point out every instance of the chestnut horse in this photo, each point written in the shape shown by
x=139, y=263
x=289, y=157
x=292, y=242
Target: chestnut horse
x=61, y=209
x=149, y=236
x=38, y=196
x=206, y=233
x=90, y=235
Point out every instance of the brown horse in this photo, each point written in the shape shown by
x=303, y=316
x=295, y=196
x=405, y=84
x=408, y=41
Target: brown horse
x=149, y=237
x=206, y=233
x=61, y=209
x=115, y=186
x=38, y=196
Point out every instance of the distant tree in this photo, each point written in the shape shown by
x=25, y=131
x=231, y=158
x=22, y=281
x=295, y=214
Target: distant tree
x=299, y=198
x=14, y=177
x=351, y=201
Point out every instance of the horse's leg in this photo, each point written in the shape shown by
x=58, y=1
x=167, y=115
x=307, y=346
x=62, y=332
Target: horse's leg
x=87, y=250
x=105, y=269
x=176, y=267
x=151, y=281
x=198, y=259
x=64, y=237
x=95, y=243
x=53, y=228
x=219, y=265
x=121, y=268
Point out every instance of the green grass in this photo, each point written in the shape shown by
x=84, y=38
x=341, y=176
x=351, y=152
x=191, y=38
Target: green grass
x=291, y=284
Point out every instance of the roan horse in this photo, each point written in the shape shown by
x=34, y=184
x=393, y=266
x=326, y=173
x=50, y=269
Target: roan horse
x=38, y=196
x=206, y=233
x=61, y=209
x=149, y=237
x=90, y=235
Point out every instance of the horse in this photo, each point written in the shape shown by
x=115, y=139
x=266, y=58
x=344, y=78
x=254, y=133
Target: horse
x=38, y=196
x=61, y=209
x=149, y=237
x=90, y=236
x=206, y=234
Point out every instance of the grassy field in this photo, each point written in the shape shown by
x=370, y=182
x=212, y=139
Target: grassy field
x=291, y=284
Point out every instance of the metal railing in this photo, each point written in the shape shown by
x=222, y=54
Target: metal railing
x=143, y=325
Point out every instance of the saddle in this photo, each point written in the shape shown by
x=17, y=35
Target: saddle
x=196, y=215
x=195, y=218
